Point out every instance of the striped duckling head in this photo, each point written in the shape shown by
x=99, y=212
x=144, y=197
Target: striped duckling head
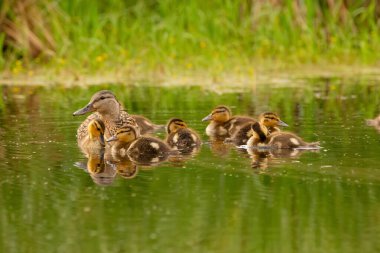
x=220, y=114
x=270, y=119
x=174, y=125
x=125, y=134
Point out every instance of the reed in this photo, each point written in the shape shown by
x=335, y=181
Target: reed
x=216, y=36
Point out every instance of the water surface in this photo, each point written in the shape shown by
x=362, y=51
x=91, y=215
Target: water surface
x=220, y=200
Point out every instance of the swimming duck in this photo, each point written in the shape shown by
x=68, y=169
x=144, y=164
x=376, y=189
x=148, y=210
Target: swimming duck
x=94, y=140
x=140, y=149
x=277, y=140
x=107, y=108
x=180, y=137
x=222, y=123
x=269, y=119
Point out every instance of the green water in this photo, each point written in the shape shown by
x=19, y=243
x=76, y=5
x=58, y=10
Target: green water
x=326, y=201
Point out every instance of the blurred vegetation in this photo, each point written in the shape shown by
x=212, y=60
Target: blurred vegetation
x=84, y=36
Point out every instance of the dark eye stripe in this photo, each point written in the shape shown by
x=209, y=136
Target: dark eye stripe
x=124, y=131
x=104, y=97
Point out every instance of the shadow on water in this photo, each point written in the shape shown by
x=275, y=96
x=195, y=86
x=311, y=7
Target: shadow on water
x=215, y=199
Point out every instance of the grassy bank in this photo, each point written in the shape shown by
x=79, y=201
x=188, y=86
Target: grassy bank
x=160, y=39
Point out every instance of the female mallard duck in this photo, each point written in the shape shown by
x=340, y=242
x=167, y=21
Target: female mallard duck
x=111, y=112
x=269, y=119
x=94, y=140
x=277, y=140
x=222, y=123
x=180, y=137
x=140, y=149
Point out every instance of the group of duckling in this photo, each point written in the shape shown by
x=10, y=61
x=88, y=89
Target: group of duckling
x=262, y=132
x=111, y=129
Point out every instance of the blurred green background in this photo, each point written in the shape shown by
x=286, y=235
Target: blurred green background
x=84, y=37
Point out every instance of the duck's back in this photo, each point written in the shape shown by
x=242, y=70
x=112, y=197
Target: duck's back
x=288, y=140
x=145, y=125
x=183, y=139
x=111, y=126
x=236, y=123
x=148, y=146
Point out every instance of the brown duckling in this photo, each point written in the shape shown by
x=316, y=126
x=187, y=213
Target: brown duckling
x=277, y=140
x=94, y=140
x=374, y=122
x=289, y=140
x=180, y=137
x=222, y=123
x=269, y=119
x=107, y=108
x=140, y=149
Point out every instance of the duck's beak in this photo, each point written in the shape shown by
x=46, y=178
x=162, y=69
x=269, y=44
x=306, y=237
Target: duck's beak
x=102, y=140
x=112, y=138
x=282, y=123
x=207, y=118
x=84, y=110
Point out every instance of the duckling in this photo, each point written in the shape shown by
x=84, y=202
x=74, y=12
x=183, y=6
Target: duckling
x=140, y=149
x=222, y=123
x=180, y=137
x=289, y=140
x=278, y=140
x=269, y=119
x=94, y=141
x=107, y=108
x=374, y=122
x=258, y=134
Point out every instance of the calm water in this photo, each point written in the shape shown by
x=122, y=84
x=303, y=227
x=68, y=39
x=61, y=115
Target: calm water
x=217, y=201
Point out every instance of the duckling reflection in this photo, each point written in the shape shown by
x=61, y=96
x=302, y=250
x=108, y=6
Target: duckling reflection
x=262, y=158
x=181, y=137
x=101, y=172
x=222, y=123
x=219, y=147
x=126, y=168
x=259, y=158
x=142, y=150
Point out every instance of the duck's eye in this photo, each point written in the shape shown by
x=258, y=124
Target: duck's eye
x=102, y=97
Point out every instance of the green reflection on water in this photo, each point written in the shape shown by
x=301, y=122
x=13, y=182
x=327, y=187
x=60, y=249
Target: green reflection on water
x=324, y=201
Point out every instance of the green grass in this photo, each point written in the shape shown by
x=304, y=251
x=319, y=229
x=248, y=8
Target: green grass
x=213, y=37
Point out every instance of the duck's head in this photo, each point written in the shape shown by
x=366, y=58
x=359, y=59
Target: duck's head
x=270, y=119
x=103, y=102
x=96, y=130
x=174, y=124
x=219, y=114
x=125, y=134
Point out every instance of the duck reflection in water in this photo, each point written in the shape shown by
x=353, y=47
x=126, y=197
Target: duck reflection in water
x=262, y=158
x=142, y=150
